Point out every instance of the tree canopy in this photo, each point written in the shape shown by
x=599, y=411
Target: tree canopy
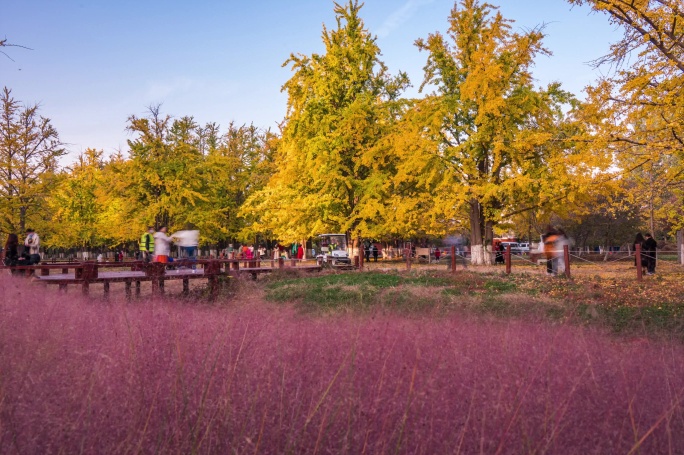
x=482, y=151
x=340, y=104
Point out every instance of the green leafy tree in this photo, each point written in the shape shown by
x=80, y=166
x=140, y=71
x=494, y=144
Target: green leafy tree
x=179, y=174
x=340, y=104
x=29, y=151
x=78, y=203
x=161, y=181
x=237, y=164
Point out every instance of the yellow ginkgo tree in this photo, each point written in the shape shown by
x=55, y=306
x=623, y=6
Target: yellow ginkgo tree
x=328, y=174
x=642, y=102
x=486, y=144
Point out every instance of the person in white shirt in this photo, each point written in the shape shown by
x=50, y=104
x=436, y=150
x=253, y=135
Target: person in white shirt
x=162, y=245
x=32, y=242
x=188, y=240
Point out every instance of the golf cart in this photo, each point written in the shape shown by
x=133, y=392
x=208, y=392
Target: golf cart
x=332, y=250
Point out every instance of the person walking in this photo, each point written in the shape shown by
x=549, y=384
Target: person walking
x=162, y=246
x=188, y=241
x=147, y=245
x=374, y=248
x=550, y=238
x=649, y=247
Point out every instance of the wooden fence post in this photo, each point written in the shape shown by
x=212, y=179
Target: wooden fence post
x=362, y=252
x=639, y=266
x=566, y=258
x=453, y=259
x=87, y=273
x=508, y=259
x=213, y=268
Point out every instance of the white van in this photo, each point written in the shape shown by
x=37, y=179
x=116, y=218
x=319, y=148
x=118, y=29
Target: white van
x=521, y=248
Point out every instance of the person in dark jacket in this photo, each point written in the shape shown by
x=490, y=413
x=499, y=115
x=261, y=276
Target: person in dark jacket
x=11, y=252
x=500, y=254
x=649, y=248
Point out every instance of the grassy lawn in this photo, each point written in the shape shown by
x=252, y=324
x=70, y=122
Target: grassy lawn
x=618, y=302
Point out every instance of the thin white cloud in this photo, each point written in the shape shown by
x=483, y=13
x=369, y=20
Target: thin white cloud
x=180, y=88
x=400, y=16
x=160, y=90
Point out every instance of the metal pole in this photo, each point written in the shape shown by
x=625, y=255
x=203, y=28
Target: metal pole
x=640, y=270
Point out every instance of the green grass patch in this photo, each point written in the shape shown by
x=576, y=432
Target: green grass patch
x=621, y=306
x=499, y=287
x=379, y=280
x=358, y=290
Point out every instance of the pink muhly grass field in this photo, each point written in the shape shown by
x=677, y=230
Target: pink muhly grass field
x=166, y=377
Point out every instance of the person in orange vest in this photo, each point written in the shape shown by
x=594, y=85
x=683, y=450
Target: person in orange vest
x=550, y=240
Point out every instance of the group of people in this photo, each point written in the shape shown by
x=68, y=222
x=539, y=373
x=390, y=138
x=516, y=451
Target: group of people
x=295, y=251
x=156, y=246
x=370, y=249
x=31, y=253
x=648, y=252
x=247, y=252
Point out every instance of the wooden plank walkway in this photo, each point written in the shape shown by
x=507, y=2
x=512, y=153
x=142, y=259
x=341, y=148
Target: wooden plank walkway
x=87, y=273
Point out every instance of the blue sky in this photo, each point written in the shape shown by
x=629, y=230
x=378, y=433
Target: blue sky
x=94, y=63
